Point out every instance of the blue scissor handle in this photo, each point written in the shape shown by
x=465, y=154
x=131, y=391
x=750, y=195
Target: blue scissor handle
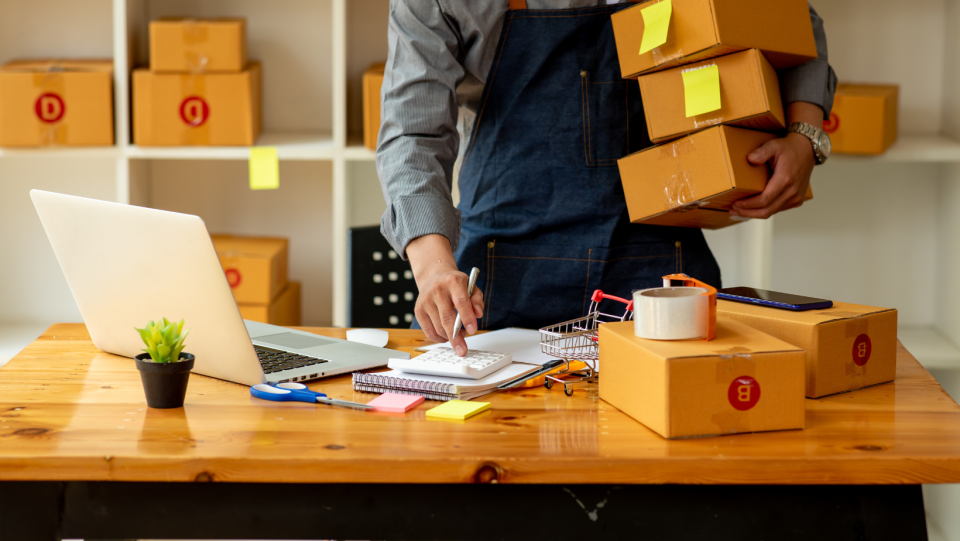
x=297, y=387
x=267, y=392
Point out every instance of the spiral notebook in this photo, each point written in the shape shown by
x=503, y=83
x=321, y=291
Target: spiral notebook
x=437, y=387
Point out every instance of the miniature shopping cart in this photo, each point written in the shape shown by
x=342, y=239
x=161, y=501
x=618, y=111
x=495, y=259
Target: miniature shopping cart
x=577, y=340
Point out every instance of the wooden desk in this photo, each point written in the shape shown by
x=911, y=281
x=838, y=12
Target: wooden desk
x=76, y=417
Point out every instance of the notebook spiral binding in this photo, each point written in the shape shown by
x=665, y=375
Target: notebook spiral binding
x=374, y=383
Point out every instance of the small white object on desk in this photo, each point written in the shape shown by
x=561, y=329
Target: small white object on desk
x=445, y=362
x=372, y=337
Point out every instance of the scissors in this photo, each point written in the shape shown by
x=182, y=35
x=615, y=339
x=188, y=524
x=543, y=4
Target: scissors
x=298, y=392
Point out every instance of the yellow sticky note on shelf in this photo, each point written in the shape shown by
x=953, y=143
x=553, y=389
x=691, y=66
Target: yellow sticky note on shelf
x=264, y=168
x=701, y=90
x=458, y=409
x=656, y=22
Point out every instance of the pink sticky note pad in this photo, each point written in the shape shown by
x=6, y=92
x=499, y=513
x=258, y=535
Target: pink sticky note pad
x=395, y=402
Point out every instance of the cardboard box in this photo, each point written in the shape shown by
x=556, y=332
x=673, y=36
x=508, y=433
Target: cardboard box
x=693, y=181
x=56, y=102
x=701, y=29
x=372, y=81
x=172, y=109
x=195, y=45
x=847, y=347
x=284, y=310
x=742, y=381
x=863, y=119
x=256, y=267
x=749, y=98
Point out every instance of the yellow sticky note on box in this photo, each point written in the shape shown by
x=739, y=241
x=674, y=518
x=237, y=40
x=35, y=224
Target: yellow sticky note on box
x=656, y=22
x=458, y=409
x=264, y=168
x=701, y=90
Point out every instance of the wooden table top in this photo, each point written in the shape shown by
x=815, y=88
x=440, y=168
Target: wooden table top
x=71, y=412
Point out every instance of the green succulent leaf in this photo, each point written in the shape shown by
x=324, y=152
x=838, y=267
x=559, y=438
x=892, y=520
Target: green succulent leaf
x=164, y=339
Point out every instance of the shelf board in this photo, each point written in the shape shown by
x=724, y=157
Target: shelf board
x=61, y=152
x=359, y=153
x=915, y=148
x=290, y=146
x=930, y=347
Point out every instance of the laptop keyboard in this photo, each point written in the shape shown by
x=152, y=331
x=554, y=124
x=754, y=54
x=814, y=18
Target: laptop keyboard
x=274, y=360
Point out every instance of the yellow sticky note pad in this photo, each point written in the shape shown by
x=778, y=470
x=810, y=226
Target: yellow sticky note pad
x=458, y=409
x=701, y=90
x=264, y=168
x=656, y=21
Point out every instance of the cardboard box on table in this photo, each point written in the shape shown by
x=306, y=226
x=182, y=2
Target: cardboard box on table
x=56, y=102
x=749, y=97
x=848, y=346
x=256, y=267
x=172, y=109
x=863, y=119
x=284, y=310
x=742, y=381
x=693, y=181
x=198, y=45
x=372, y=81
x=701, y=29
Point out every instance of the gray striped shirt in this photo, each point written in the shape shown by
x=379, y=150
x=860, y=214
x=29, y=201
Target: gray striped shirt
x=440, y=54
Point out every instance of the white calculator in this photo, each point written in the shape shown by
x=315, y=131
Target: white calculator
x=445, y=362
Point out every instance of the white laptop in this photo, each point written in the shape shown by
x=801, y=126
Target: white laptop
x=127, y=265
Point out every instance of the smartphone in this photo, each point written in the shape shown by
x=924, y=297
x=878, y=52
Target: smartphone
x=773, y=299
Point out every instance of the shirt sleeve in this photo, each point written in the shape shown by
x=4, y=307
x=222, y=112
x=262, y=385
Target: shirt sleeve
x=418, y=141
x=814, y=82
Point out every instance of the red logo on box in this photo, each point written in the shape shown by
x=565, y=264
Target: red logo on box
x=862, y=349
x=233, y=277
x=194, y=111
x=744, y=393
x=49, y=107
x=831, y=123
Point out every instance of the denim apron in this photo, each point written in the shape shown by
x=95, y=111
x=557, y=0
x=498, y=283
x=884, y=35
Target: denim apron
x=543, y=211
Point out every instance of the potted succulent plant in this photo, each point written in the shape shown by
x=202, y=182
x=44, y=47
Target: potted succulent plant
x=164, y=368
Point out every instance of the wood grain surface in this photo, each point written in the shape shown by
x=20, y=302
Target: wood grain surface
x=71, y=412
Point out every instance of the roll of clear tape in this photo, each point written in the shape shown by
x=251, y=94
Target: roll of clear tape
x=670, y=313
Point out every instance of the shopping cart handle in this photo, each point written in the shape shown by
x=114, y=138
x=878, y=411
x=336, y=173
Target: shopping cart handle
x=600, y=295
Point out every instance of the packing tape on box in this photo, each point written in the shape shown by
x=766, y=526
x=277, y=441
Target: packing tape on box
x=854, y=327
x=659, y=58
x=734, y=375
x=678, y=189
x=195, y=33
x=194, y=109
x=671, y=313
x=51, y=105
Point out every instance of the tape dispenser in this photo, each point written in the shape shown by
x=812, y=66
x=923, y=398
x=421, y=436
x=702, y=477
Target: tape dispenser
x=682, y=309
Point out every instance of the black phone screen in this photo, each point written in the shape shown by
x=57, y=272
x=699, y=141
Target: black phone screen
x=774, y=296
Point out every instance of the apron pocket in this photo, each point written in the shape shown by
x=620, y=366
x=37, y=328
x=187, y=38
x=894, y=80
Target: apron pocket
x=606, y=119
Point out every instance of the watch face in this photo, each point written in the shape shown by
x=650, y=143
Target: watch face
x=824, y=142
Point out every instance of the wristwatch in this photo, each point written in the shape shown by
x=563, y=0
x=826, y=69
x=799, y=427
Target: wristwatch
x=817, y=137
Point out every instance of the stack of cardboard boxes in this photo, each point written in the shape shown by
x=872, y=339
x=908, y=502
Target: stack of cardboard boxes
x=711, y=96
x=256, y=269
x=200, y=89
x=56, y=102
x=863, y=119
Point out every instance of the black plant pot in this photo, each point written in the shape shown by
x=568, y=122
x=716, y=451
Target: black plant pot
x=165, y=384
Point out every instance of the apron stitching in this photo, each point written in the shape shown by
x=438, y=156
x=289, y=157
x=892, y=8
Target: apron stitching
x=583, y=113
x=476, y=127
x=586, y=93
x=581, y=259
x=586, y=286
x=492, y=265
x=486, y=290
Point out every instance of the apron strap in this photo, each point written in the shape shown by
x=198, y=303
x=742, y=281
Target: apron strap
x=522, y=4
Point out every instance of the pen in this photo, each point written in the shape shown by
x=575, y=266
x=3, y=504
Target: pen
x=538, y=372
x=343, y=403
x=473, y=281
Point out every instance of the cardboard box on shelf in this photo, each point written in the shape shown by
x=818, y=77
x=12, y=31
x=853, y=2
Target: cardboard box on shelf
x=847, y=347
x=749, y=97
x=56, y=102
x=256, y=267
x=742, y=381
x=195, y=45
x=693, y=181
x=863, y=119
x=284, y=310
x=701, y=29
x=372, y=81
x=173, y=109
